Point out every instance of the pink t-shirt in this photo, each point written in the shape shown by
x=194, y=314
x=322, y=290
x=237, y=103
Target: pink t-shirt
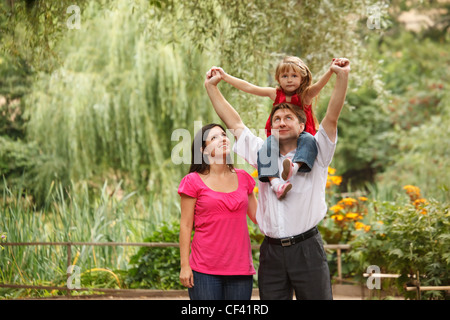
x=221, y=243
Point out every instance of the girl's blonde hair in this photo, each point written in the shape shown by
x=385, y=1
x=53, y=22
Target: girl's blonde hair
x=297, y=64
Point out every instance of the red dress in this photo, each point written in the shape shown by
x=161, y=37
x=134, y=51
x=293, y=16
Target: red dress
x=295, y=99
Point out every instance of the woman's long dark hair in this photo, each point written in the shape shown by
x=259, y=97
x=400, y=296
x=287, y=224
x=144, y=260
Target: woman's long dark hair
x=198, y=163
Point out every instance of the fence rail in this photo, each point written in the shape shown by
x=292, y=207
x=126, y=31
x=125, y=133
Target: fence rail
x=337, y=247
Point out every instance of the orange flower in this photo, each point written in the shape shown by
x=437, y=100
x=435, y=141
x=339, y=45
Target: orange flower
x=359, y=225
x=420, y=202
x=336, y=208
x=337, y=217
x=352, y=215
x=347, y=202
x=337, y=180
x=412, y=191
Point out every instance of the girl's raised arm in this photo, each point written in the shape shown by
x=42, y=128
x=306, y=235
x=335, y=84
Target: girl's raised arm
x=314, y=90
x=247, y=86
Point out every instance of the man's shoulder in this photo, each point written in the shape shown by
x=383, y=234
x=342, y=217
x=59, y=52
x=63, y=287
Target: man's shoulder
x=321, y=136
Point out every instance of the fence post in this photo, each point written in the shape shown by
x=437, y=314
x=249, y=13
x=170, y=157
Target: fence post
x=419, y=294
x=339, y=265
x=69, y=261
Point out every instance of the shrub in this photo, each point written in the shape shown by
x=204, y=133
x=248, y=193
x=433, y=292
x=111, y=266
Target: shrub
x=406, y=238
x=157, y=268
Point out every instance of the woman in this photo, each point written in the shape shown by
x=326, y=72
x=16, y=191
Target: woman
x=215, y=200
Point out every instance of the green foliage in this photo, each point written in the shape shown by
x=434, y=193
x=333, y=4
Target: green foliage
x=406, y=239
x=157, y=268
x=81, y=214
x=420, y=114
x=21, y=164
x=363, y=146
x=14, y=84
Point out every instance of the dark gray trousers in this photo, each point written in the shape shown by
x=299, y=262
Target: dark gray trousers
x=301, y=267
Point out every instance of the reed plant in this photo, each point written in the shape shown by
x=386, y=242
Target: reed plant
x=76, y=217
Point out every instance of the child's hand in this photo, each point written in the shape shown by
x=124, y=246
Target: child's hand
x=213, y=76
x=219, y=70
x=340, y=65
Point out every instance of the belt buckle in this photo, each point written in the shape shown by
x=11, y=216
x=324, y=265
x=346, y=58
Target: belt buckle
x=286, y=242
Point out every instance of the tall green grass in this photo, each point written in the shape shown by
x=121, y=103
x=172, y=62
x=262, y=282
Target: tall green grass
x=76, y=216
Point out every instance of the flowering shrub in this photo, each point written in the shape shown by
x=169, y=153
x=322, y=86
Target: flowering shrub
x=406, y=237
x=344, y=217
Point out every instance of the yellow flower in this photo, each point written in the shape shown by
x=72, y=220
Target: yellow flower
x=331, y=170
x=352, y=215
x=367, y=228
x=337, y=217
x=412, y=191
x=419, y=202
x=359, y=225
x=347, y=202
x=362, y=199
x=336, y=180
x=255, y=174
x=336, y=208
x=256, y=190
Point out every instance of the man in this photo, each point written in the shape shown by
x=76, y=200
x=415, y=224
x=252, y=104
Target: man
x=292, y=257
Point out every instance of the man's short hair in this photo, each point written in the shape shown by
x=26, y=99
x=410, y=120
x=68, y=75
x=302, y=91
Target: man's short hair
x=293, y=108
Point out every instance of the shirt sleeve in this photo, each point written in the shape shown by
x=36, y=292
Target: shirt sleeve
x=250, y=182
x=188, y=186
x=247, y=146
x=325, y=147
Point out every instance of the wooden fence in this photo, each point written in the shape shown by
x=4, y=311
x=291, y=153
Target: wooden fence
x=69, y=245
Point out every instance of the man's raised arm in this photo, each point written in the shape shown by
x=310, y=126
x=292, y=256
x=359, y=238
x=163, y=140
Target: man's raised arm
x=222, y=107
x=342, y=68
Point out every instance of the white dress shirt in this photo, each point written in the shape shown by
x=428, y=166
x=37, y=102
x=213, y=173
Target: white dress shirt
x=304, y=205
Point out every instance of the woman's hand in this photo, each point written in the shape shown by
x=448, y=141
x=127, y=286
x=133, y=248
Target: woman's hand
x=187, y=277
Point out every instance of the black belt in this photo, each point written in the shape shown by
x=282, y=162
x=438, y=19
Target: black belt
x=289, y=241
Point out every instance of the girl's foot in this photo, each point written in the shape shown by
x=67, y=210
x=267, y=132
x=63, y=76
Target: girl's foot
x=288, y=169
x=282, y=189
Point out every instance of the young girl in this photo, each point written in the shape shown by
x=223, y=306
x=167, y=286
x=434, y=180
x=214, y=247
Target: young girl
x=294, y=87
x=215, y=200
